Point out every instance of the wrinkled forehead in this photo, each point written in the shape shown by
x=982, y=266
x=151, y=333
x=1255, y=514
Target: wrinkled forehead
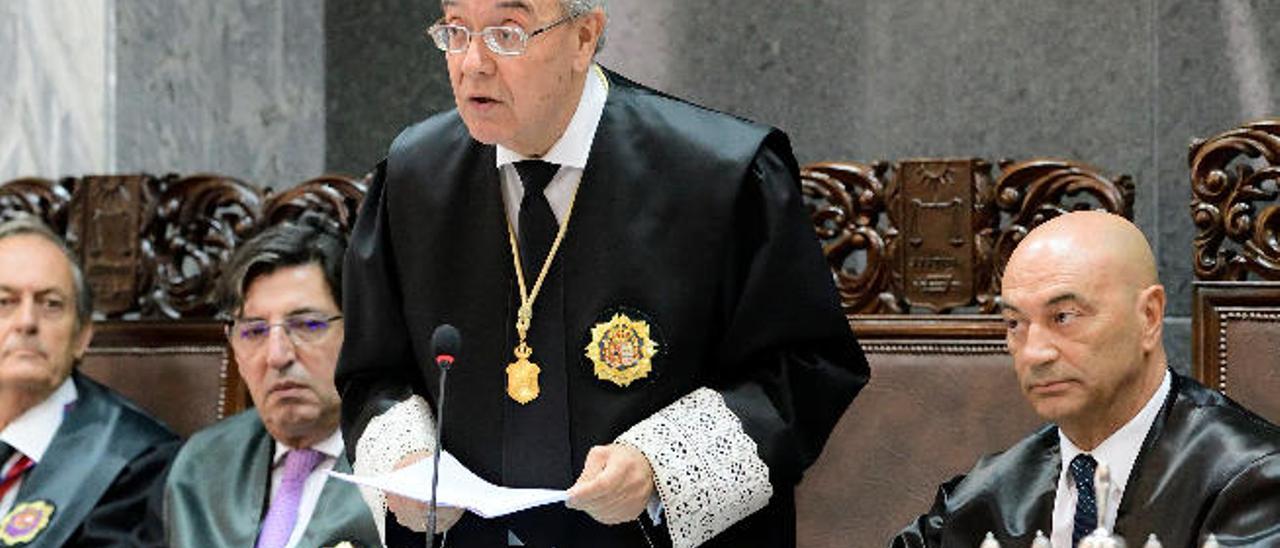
x=1046, y=279
x=528, y=8
x=29, y=261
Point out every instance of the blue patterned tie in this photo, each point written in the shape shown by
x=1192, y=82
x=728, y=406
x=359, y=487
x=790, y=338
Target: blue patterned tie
x=1082, y=468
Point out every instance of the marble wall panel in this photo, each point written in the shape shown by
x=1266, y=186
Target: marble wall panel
x=229, y=86
x=1219, y=67
x=54, y=107
x=381, y=75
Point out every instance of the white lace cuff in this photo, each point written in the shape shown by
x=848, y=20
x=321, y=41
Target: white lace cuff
x=408, y=427
x=707, y=470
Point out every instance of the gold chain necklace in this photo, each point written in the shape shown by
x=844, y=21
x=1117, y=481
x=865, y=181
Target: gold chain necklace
x=522, y=374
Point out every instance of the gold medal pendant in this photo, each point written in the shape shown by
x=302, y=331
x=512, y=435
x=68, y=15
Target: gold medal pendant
x=522, y=376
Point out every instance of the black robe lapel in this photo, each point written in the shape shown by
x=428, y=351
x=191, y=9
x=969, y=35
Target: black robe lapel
x=92, y=431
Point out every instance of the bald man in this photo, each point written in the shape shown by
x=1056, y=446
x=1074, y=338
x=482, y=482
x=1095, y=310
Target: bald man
x=1084, y=312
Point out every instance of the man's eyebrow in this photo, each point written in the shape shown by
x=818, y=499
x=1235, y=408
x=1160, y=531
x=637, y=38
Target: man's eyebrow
x=1066, y=297
x=1006, y=306
x=515, y=5
x=505, y=4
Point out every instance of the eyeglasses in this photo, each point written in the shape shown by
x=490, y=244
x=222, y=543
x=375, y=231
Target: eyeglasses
x=505, y=40
x=251, y=335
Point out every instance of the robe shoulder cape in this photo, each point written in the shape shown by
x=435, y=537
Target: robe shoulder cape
x=216, y=493
x=103, y=473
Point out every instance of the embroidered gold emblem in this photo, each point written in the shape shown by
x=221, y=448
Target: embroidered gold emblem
x=522, y=376
x=621, y=350
x=25, y=521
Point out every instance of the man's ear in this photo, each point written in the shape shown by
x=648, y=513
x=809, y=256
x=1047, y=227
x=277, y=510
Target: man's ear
x=83, y=339
x=1151, y=303
x=590, y=29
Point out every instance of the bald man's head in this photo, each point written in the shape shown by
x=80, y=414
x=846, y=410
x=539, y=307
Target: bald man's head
x=1094, y=238
x=1085, y=312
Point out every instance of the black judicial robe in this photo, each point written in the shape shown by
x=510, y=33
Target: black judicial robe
x=688, y=218
x=1207, y=466
x=218, y=491
x=103, y=473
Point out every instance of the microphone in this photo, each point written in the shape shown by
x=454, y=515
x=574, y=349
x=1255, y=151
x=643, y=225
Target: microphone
x=446, y=346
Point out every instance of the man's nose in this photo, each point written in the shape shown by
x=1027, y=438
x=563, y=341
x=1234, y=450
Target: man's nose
x=1038, y=347
x=27, y=317
x=280, y=348
x=477, y=59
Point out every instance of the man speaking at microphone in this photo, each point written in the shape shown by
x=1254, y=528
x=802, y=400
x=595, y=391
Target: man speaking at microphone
x=648, y=317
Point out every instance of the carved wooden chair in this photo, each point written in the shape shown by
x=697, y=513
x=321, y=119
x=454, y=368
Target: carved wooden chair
x=1235, y=322
x=917, y=248
x=152, y=249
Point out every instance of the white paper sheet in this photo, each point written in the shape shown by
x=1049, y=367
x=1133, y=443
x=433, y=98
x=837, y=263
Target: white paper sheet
x=459, y=488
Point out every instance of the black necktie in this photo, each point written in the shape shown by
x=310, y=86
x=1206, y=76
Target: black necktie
x=537, y=450
x=538, y=224
x=1082, y=468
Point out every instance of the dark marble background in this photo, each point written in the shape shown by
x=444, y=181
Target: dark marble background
x=275, y=92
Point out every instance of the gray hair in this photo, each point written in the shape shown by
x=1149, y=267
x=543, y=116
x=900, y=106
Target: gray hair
x=307, y=240
x=28, y=225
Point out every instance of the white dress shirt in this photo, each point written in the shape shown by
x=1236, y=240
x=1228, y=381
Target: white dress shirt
x=32, y=432
x=332, y=448
x=570, y=152
x=1118, y=452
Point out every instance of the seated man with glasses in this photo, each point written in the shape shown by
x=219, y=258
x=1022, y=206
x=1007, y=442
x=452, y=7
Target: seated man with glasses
x=79, y=465
x=260, y=478
x=647, y=316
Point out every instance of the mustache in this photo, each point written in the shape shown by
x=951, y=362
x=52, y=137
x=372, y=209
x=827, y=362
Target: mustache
x=289, y=380
x=20, y=344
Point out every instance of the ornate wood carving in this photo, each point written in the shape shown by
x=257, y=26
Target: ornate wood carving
x=847, y=206
x=43, y=198
x=1234, y=183
x=106, y=217
x=937, y=235
x=196, y=223
x=1032, y=192
x=932, y=238
x=943, y=207
x=332, y=197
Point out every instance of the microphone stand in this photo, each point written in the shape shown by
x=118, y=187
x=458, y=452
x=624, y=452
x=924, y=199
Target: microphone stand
x=435, y=465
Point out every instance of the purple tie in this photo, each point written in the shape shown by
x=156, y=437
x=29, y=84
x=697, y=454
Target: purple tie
x=283, y=513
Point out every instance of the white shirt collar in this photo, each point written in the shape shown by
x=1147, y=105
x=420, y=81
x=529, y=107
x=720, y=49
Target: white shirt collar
x=33, y=431
x=1120, y=451
x=574, y=146
x=331, y=446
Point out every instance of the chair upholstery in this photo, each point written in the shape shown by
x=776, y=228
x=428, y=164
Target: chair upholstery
x=180, y=372
x=1236, y=342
